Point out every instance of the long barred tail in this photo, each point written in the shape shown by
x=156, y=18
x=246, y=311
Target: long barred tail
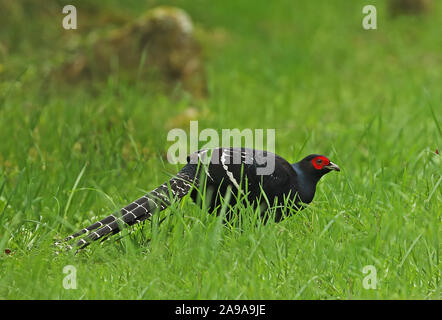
x=139, y=210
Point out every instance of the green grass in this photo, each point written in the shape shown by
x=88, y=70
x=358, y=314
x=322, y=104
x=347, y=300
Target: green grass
x=371, y=100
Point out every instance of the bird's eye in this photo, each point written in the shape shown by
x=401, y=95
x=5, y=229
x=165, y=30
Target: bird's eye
x=319, y=161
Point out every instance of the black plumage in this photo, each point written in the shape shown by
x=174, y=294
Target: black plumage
x=262, y=177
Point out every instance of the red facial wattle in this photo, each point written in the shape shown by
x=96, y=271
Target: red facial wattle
x=320, y=162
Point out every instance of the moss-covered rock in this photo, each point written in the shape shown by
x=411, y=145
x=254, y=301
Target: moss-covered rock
x=399, y=7
x=159, y=47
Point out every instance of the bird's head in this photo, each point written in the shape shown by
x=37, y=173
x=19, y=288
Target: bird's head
x=308, y=172
x=317, y=165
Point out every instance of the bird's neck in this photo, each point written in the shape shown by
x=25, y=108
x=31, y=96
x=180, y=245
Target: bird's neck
x=306, y=183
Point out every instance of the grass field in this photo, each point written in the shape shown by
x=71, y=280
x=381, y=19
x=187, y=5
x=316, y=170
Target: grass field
x=369, y=99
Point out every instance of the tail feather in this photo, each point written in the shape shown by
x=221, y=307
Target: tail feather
x=139, y=210
x=131, y=217
x=105, y=221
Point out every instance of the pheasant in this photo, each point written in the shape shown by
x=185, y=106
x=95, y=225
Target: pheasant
x=261, y=177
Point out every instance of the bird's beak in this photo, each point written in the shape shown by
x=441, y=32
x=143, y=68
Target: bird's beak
x=332, y=166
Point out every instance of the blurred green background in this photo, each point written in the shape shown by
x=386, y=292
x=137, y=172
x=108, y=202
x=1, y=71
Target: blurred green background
x=369, y=99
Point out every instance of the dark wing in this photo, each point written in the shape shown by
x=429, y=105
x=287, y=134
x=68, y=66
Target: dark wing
x=249, y=170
